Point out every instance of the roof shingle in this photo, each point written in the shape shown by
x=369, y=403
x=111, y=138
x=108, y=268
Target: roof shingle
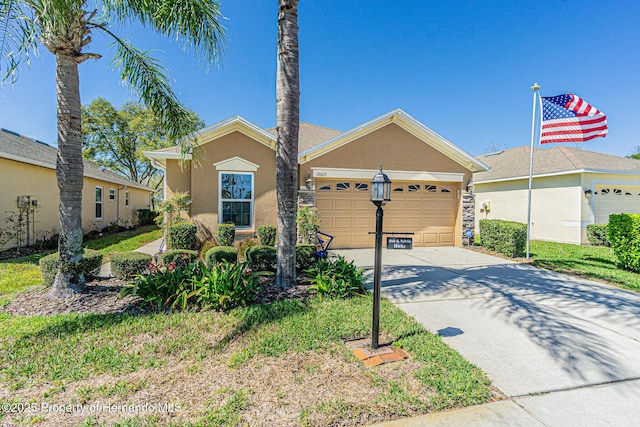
x=27, y=150
x=514, y=163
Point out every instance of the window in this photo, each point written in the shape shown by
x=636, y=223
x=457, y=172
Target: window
x=325, y=188
x=126, y=198
x=445, y=190
x=236, y=199
x=617, y=192
x=361, y=186
x=342, y=186
x=430, y=188
x=112, y=194
x=413, y=188
x=605, y=191
x=401, y=188
x=98, y=202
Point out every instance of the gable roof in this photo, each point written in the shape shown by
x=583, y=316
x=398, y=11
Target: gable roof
x=409, y=124
x=22, y=149
x=514, y=163
x=314, y=141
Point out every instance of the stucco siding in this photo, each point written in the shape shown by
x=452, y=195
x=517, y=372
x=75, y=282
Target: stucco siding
x=40, y=183
x=391, y=146
x=556, y=206
x=205, y=182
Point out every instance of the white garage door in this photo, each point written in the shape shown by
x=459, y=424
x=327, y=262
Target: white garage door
x=427, y=209
x=610, y=199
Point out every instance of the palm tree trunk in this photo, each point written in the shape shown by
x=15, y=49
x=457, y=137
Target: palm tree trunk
x=288, y=123
x=69, y=172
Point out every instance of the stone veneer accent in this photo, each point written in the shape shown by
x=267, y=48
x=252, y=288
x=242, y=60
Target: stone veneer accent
x=468, y=216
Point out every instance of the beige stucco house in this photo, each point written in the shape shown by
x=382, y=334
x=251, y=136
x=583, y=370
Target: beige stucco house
x=571, y=189
x=27, y=171
x=232, y=178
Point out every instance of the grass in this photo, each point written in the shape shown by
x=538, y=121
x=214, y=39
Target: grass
x=595, y=262
x=66, y=352
x=18, y=274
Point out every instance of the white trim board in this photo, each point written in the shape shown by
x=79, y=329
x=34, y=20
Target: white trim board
x=337, y=173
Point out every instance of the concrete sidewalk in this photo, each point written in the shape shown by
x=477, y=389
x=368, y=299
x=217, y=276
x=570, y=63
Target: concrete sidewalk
x=152, y=248
x=565, y=351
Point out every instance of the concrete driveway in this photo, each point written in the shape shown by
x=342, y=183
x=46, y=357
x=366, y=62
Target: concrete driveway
x=566, y=351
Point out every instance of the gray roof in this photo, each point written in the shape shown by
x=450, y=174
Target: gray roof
x=514, y=163
x=311, y=135
x=27, y=150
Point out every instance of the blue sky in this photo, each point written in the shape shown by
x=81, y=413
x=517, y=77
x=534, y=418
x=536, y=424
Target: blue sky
x=462, y=68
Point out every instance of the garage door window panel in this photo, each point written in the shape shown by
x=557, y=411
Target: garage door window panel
x=236, y=199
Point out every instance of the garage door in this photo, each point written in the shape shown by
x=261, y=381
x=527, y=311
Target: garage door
x=611, y=199
x=425, y=208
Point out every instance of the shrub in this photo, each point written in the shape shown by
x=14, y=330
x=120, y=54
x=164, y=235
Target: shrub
x=223, y=286
x=220, y=253
x=90, y=265
x=127, y=265
x=244, y=245
x=204, y=248
x=597, y=234
x=181, y=257
x=507, y=237
x=267, y=235
x=147, y=216
x=226, y=234
x=165, y=284
x=306, y=257
x=624, y=235
x=262, y=258
x=182, y=236
x=336, y=279
x=308, y=221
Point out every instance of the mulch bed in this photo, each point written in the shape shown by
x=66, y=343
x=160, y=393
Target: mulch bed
x=101, y=296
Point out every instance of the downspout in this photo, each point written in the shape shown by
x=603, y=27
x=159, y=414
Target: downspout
x=118, y=205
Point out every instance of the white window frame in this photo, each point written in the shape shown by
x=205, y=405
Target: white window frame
x=251, y=201
x=126, y=199
x=112, y=194
x=101, y=202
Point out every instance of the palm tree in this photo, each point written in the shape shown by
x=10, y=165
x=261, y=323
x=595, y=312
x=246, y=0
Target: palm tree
x=65, y=27
x=288, y=123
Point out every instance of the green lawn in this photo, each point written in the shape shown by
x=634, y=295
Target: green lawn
x=594, y=262
x=19, y=273
x=54, y=359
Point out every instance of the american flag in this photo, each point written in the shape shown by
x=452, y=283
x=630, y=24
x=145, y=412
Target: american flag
x=567, y=118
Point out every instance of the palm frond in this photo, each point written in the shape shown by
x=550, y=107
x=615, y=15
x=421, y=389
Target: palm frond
x=147, y=76
x=18, y=38
x=196, y=23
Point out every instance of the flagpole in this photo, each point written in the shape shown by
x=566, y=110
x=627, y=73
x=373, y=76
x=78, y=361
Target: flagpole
x=535, y=88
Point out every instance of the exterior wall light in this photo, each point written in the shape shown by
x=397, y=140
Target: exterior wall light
x=380, y=189
x=588, y=194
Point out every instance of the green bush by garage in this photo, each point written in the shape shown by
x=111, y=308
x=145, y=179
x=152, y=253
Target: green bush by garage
x=506, y=237
x=624, y=235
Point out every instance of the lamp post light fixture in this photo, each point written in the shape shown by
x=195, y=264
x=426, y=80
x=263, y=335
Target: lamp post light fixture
x=380, y=196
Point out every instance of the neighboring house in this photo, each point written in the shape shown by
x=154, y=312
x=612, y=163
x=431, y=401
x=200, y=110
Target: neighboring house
x=571, y=189
x=232, y=178
x=28, y=171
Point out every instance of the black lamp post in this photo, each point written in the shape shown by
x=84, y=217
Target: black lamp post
x=380, y=195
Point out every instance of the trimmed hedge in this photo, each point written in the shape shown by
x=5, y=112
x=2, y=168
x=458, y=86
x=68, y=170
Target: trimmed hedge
x=220, y=253
x=261, y=258
x=182, y=236
x=506, y=237
x=90, y=266
x=267, y=235
x=624, y=235
x=306, y=257
x=226, y=234
x=181, y=257
x=127, y=265
x=597, y=234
